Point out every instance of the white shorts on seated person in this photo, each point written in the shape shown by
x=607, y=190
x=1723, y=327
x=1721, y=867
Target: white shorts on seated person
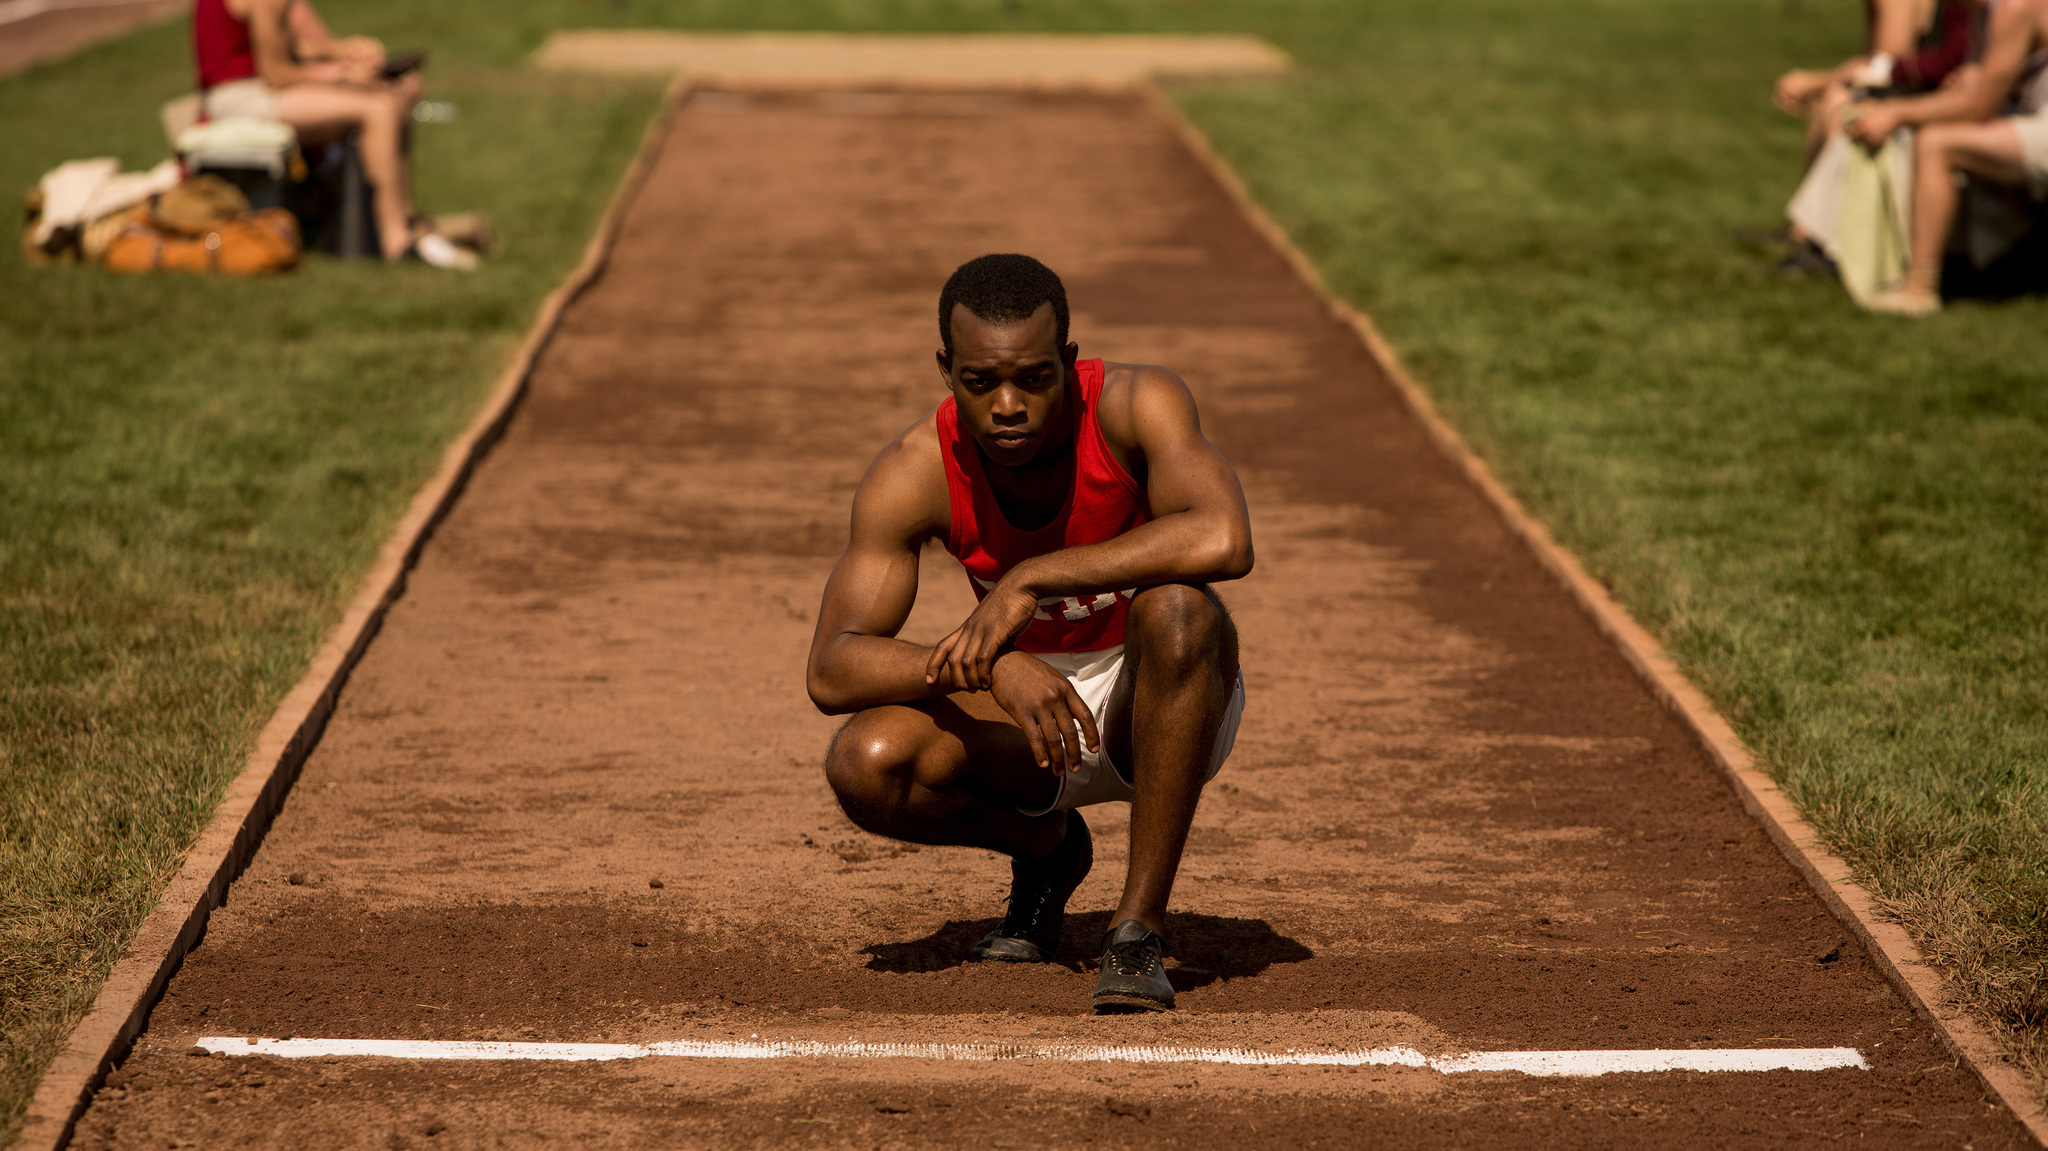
x=250, y=98
x=2032, y=126
x=1094, y=675
x=2033, y=132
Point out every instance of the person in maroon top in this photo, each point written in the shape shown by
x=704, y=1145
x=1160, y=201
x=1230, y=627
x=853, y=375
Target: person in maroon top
x=1914, y=45
x=1091, y=515
x=1992, y=126
x=276, y=60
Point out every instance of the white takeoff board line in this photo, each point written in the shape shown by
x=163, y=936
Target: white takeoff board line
x=1526, y=1062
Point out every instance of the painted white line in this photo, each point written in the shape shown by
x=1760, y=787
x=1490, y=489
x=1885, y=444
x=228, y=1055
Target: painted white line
x=1526, y=1062
x=1608, y=1062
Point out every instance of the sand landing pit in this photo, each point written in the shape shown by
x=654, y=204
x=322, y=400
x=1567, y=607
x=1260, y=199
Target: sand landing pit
x=1454, y=821
x=813, y=60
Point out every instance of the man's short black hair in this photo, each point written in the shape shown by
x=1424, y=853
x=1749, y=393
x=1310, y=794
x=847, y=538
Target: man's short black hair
x=1002, y=289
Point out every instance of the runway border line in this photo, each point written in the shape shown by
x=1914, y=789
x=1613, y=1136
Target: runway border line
x=1538, y=1063
x=1827, y=873
x=223, y=850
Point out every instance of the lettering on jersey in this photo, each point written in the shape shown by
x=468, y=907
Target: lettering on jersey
x=1071, y=607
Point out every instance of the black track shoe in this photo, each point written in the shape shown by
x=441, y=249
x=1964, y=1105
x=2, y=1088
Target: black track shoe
x=1039, y=890
x=1133, y=971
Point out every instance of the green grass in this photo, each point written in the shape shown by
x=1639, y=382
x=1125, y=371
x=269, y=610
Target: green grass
x=1838, y=523
x=198, y=472
x=1834, y=521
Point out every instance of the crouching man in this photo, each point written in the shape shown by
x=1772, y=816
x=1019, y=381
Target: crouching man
x=1091, y=516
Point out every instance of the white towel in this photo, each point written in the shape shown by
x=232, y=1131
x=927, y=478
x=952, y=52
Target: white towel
x=81, y=191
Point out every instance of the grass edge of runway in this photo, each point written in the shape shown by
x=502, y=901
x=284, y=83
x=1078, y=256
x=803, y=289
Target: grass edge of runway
x=200, y=472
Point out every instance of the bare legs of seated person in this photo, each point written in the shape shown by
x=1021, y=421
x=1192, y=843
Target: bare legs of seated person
x=326, y=112
x=1991, y=150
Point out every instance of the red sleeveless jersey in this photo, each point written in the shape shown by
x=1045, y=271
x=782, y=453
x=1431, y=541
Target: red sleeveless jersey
x=221, y=43
x=1103, y=502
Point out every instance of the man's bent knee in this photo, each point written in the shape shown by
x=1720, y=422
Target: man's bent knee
x=1182, y=625
x=870, y=770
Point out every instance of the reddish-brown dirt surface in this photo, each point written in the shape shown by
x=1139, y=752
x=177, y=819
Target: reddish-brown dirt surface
x=1453, y=820
x=64, y=30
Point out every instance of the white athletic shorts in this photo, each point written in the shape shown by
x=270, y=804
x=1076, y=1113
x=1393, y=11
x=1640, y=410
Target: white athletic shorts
x=1098, y=780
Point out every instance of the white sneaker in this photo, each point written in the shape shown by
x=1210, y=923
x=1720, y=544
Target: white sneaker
x=441, y=253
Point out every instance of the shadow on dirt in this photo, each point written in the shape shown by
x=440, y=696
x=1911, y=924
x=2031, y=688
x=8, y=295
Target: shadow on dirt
x=1206, y=947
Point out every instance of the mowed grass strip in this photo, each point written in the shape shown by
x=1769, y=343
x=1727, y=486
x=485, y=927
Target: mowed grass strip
x=1834, y=521
x=196, y=474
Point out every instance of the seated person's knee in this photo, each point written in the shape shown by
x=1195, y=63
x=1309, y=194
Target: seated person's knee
x=1934, y=141
x=394, y=107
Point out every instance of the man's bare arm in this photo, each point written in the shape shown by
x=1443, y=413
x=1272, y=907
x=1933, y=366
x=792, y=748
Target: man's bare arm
x=856, y=660
x=1200, y=531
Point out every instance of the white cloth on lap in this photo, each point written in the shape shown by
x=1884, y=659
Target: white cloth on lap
x=2032, y=125
x=1858, y=206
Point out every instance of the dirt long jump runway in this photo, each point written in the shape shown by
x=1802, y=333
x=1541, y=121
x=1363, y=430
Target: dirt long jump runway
x=60, y=27
x=1454, y=822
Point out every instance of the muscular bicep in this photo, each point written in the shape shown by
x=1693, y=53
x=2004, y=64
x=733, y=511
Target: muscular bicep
x=871, y=590
x=1183, y=470
x=874, y=584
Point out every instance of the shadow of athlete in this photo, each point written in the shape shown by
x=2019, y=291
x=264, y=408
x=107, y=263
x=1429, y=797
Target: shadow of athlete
x=1091, y=515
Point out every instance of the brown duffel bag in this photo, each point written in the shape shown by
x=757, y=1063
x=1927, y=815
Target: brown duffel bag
x=246, y=245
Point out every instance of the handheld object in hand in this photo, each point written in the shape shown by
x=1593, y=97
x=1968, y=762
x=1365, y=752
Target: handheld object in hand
x=398, y=64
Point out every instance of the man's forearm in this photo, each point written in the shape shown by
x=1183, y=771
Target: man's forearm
x=1964, y=102
x=1185, y=547
x=859, y=671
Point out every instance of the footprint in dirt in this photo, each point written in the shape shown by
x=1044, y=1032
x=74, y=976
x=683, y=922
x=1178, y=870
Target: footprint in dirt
x=1206, y=948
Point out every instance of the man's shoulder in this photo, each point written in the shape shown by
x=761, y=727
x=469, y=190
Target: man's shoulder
x=917, y=448
x=907, y=479
x=1128, y=389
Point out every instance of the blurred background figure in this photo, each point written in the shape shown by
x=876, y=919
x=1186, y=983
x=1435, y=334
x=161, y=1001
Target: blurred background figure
x=277, y=60
x=1911, y=46
x=1990, y=124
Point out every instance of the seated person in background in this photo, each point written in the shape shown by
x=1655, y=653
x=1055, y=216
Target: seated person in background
x=1913, y=46
x=276, y=60
x=1961, y=130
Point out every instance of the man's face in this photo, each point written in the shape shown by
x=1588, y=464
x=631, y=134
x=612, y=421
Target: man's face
x=1010, y=381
